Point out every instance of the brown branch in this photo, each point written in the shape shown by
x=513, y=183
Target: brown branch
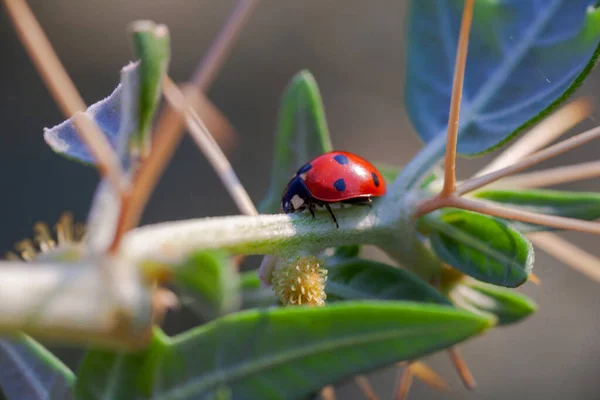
x=404, y=380
x=552, y=176
x=170, y=124
x=463, y=370
x=457, y=88
x=365, y=387
x=540, y=156
x=63, y=90
x=210, y=148
x=328, y=393
x=543, y=134
x=578, y=259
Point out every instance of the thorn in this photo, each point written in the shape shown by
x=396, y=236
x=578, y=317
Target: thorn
x=461, y=367
x=533, y=278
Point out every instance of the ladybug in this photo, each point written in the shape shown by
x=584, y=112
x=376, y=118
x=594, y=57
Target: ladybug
x=334, y=177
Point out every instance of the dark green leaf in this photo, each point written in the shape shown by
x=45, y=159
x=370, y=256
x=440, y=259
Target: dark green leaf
x=152, y=46
x=302, y=134
x=523, y=61
x=29, y=371
x=281, y=353
x=507, y=305
x=480, y=246
x=356, y=279
x=212, y=281
x=578, y=205
x=347, y=251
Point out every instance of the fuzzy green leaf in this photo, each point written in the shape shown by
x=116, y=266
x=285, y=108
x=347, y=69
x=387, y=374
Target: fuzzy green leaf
x=152, y=46
x=29, y=371
x=506, y=304
x=280, y=353
x=302, y=134
x=356, y=279
x=212, y=282
x=580, y=205
x=480, y=246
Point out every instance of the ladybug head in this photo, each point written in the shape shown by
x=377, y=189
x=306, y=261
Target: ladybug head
x=296, y=196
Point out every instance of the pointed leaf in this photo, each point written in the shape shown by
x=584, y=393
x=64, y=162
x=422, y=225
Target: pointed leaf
x=480, y=246
x=286, y=353
x=29, y=371
x=302, y=134
x=525, y=58
x=211, y=279
x=152, y=46
x=578, y=205
x=507, y=305
x=355, y=279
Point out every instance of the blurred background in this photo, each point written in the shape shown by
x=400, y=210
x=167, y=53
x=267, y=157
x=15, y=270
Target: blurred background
x=355, y=49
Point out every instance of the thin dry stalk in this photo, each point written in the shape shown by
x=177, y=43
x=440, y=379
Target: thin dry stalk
x=552, y=176
x=499, y=211
x=210, y=148
x=431, y=378
x=461, y=366
x=542, y=135
x=328, y=393
x=404, y=380
x=457, y=88
x=540, y=156
x=207, y=70
x=578, y=259
x=63, y=90
x=365, y=387
x=170, y=124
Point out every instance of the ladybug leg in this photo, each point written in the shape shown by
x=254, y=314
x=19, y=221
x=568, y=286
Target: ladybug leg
x=332, y=215
x=311, y=207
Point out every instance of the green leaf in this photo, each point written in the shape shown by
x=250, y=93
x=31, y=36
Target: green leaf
x=29, y=371
x=356, y=279
x=580, y=205
x=152, y=46
x=302, y=134
x=280, y=353
x=506, y=304
x=523, y=62
x=211, y=279
x=349, y=251
x=480, y=246
x=253, y=294
x=113, y=115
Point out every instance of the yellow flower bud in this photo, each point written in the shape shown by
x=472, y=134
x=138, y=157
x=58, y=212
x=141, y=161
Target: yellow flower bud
x=300, y=281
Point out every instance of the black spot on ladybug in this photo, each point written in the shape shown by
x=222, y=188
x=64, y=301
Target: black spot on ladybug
x=341, y=159
x=339, y=185
x=305, y=168
x=375, y=179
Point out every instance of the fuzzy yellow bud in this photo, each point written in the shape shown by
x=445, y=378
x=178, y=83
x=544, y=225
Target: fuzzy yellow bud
x=300, y=281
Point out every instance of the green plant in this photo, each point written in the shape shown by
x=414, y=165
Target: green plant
x=462, y=245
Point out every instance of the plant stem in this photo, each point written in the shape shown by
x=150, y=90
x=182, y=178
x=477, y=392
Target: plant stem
x=63, y=90
x=552, y=176
x=542, y=135
x=75, y=303
x=210, y=149
x=170, y=123
x=573, y=256
x=365, y=387
x=457, y=88
x=278, y=234
x=461, y=366
x=499, y=211
x=543, y=155
x=207, y=70
x=404, y=380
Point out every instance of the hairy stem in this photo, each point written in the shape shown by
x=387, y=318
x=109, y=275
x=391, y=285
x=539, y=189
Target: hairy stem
x=75, y=303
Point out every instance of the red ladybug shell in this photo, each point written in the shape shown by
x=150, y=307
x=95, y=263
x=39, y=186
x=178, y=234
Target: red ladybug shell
x=339, y=176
